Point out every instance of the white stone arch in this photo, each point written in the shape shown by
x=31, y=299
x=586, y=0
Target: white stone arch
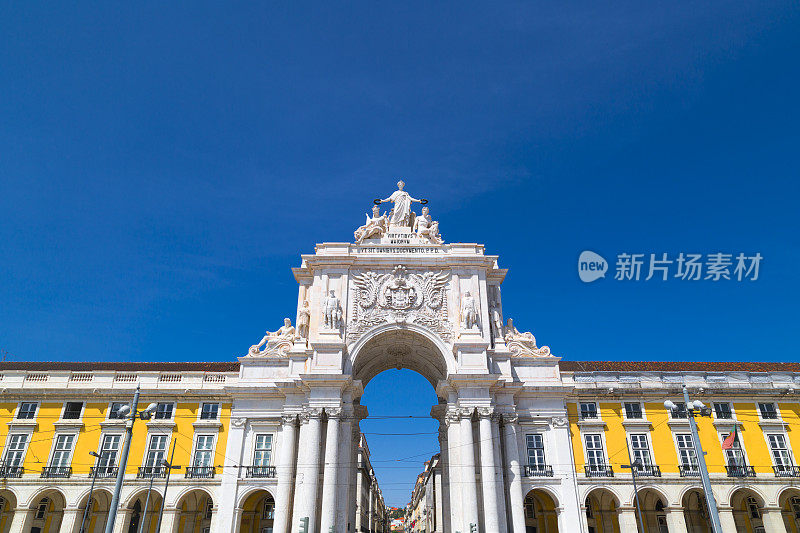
x=40, y=493
x=84, y=494
x=547, y=490
x=139, y=492
x=745, y=488
x=608, y=488
x=654, y=488
x=781, y=493
x=252, y=490
x=686, y=489
x=173, y=502
x=438, y=352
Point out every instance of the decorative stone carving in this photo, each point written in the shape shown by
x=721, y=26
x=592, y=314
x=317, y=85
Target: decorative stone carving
x=333, y=412
x=523, y=344
x=469, y=312
x=399, y=296
x=485, y=412
x=496, y=317
x=303, y=321
x=377, y=226
x=277, y=343
x=400, y=214
x=427, y=228
x=331, y=311
x=560, y=421
x=288, y=419
x=238, y=422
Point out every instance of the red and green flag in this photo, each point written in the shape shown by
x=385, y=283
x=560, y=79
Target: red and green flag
x=727, y=444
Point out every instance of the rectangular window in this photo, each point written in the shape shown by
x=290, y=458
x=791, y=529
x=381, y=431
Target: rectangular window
x=594, y=450
x=15, y=449
x=780, y=451
x=263, y=450
x=588, y=410
x=686, y=453
x=633, y=410
x=27, y=411
x=679, y=411
x=210, y=411
x=535, y=445
x=768, y=411
x=164, y=411
x=108, y=452
x=156, y=452
x=113, y=412
x=203, y=453
x=62, y=450
x=723, y=411
x=640, y=449
x=72, y=410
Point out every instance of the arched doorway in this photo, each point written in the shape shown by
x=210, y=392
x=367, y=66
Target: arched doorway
x=747, y=510
x=97, y=515
x=47, y=513
x=695, y=512
x=258, y=513
x=540, y=513
x=654, y=514
x=601, y=507
x=142, y=509
x=195, y=511
x=789, y=501
x=8, y=503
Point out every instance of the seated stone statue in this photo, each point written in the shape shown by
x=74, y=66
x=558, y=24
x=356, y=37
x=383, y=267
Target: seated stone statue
x=512, y=334
x=424, y=226
x=276, y=342
x=377, y=226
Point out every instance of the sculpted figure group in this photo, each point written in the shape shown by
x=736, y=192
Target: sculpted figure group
x=400, y=216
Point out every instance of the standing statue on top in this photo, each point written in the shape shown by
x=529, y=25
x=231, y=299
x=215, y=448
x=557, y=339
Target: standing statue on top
x=401, y=212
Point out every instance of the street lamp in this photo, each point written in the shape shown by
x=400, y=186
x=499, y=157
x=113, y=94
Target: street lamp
x=697, y=408
x=91, y=490
x=633, y=465
x=131, y=414
x=170, y=467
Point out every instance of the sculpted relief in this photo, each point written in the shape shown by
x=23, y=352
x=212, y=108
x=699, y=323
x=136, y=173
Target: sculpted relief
x=399, y=218
x=400, y=296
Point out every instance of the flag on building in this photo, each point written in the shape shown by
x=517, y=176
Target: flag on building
x=727, y=444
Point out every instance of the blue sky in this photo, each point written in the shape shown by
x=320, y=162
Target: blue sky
x=163, y=166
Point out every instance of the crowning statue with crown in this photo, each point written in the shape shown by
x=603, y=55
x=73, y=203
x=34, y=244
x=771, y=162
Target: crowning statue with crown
x=400, y=216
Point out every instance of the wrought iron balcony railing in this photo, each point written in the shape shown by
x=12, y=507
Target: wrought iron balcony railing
x=104, y=472
x=260, y=471
x=56, y=472
x=538, y=471
x=786, y=471
x=687, y=470
x=200, y=472
x=648, y=471
x=740, y=471
x=599, y=471
x=147, y=472
x=11, y=471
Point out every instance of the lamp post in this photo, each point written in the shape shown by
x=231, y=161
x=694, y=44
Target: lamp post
x=170, y=467
x=693, y=409
x=91, y=491
x=131, y=413
x=633, y=465
x=147, y=502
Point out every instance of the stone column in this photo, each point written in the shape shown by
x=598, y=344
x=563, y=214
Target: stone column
x=514, y=473
x=285, y=473
x=627, y=519
x=345, y=477
x=726, y=519
x=489, y=478
x=170, y=520
x=773, y=520
x=444, y=462
x=675, y=520
x=331, y=472
x=469, y=489
x=71, y=520
x=359, y=492
x=371, y=512
x=305, y=491
x=454, y=454
x=229, y=484
x=500, y=490
x=123, y=521
x=18, y=520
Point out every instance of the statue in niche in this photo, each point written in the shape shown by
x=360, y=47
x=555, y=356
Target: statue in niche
x=331, y=311
x=497, y=319
x=469, y=312
x=276, y=342
x=377, y=226
x=401, y=212
x=303, y=320
x=424, y=226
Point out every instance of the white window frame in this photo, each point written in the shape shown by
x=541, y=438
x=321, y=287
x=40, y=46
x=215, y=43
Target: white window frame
x=119, y=449
x=171, y=415
x=71, y=451
x=27, y=435
x=602, y=443
x=111, y=409
x=785, y=441
x=641, y=407
x=148, y=448
x=778, y=416
x=540, y=434
x=696, y=463
x=272, y=447
x=596, y=410
x=648, y=440
x=213, y=450
x=714, y=411
x=200, y=412
x=35, y=414
x=64, y=410
x=722, y=435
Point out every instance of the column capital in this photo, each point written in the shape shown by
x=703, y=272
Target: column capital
x=510, y=418
x=288, y=419
x=333, y=412
x=310, y=413
x=485, y=412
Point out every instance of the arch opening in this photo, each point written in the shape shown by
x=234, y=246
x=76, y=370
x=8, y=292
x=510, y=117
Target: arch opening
x=258, y=512
x=540, y=512
x=601, y=507
x=695, y=512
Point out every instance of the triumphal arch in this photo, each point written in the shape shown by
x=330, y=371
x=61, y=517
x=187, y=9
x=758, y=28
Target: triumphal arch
x=399, y=296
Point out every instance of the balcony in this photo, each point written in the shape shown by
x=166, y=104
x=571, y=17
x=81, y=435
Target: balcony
x=740, y=471
x=786, y=471
x=538, y=471
x=200, y=472
x=257, y=471
x=648, y=471
x=599, y=471
x=148, y=472
x=104, y=472
x=62, y=472
x=689, y=470
x=11, y=471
